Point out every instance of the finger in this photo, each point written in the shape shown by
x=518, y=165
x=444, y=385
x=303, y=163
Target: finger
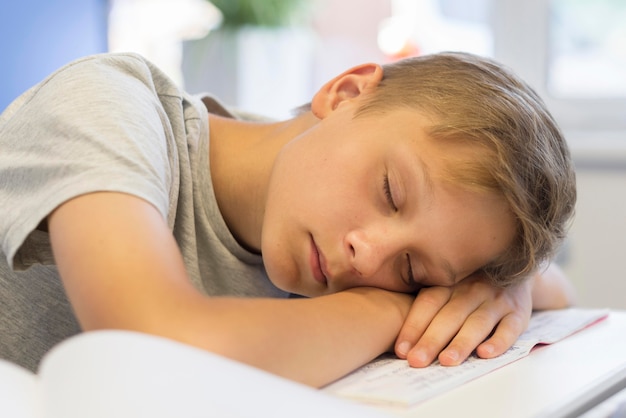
x=476, y=328
x=441, y=331
x=506, y=333
x=427, y=304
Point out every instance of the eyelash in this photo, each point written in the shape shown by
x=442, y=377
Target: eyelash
x=410, y=278
x=388, y=195
x=410, y=281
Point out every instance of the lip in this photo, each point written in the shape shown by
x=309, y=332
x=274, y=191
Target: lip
x=316, y=260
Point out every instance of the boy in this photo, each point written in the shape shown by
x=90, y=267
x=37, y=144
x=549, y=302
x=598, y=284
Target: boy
x=127, y=204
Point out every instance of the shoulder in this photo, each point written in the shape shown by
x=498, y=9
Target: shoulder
x=118, y=71
x=110, y=87
x=107, y=75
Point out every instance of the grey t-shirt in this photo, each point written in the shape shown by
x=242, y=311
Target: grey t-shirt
x=110, y=122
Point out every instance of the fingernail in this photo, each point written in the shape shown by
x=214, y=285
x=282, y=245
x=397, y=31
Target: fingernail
x=452, y=355
x=421, y=356
x=403, y=348
x=488, y=349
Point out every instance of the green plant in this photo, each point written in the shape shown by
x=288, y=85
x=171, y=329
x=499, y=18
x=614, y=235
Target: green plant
x=261, y=12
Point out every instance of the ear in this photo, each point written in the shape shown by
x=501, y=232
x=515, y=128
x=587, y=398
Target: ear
x=346, y=86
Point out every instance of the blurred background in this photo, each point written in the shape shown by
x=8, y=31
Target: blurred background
x=269, y=56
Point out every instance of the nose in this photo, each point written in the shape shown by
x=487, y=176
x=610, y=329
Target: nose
x=368, y=251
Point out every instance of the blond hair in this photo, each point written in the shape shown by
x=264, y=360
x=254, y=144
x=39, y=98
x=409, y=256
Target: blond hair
x=524, y=156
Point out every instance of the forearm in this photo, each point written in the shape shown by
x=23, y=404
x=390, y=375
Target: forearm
x=551, y=289
x=313, y=341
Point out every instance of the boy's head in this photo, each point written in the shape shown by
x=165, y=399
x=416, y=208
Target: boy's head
x=518, y=149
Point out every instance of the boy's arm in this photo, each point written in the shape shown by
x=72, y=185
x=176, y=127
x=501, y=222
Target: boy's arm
x=122, y=269
x=552, y=289
x=448, y=323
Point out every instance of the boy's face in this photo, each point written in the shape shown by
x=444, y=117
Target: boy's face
x=355, y=202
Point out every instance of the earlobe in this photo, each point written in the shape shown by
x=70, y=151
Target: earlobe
x=347, y=86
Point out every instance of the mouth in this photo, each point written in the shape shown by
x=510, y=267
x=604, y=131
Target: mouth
x=316, y=260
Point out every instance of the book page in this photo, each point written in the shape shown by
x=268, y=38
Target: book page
x=550, y=326
x=124, y=374
x=18, y=392
x=391, y=381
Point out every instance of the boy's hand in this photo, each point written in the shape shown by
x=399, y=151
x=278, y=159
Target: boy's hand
x=449, y=323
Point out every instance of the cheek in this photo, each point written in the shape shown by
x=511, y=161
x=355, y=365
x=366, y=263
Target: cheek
x=315, y=185
x=299, y=173
x=281, y=269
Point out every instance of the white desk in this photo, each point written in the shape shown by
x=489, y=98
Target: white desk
x=560, y=380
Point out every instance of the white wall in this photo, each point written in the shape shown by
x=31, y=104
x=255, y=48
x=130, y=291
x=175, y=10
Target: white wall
x=595, y=254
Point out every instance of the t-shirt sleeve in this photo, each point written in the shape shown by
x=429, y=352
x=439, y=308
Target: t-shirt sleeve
x=95, y=125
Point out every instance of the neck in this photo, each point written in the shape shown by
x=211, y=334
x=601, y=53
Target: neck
x=242, y=157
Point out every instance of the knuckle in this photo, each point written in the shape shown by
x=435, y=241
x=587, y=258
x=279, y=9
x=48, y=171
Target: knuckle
x=484, y=318
x=434, y=296
x=411, y=327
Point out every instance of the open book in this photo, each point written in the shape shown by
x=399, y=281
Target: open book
x=119, y=374
x=390, y=381
x=123, y=374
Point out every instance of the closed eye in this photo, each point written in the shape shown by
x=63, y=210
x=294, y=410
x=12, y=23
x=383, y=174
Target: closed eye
x=410, y=279
x=388, y=194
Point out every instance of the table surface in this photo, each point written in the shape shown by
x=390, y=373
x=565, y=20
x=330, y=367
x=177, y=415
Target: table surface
x=559, y=380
